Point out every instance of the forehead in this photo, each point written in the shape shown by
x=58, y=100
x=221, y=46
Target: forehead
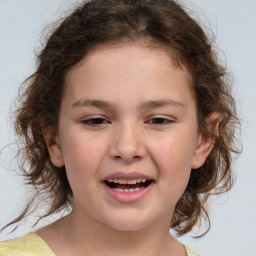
x=136, y=66
x=143, y=47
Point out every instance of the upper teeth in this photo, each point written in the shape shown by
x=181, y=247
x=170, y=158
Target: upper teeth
x=122, y=181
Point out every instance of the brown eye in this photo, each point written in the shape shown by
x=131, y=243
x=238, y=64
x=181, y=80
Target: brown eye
x=95, y=122
x=159, y=121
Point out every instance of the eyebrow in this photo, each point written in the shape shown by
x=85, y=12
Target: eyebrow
x=150, y=104
x=94, y=103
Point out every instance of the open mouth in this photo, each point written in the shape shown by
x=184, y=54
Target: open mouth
x=126, y=186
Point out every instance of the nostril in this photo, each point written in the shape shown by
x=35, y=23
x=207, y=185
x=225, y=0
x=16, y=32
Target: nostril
x=126, y=145
x=127, y=158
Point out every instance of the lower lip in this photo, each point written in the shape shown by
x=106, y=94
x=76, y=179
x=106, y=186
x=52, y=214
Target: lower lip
x=128, y=197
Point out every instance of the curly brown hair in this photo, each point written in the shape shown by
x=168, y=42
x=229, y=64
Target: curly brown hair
x=98, y=22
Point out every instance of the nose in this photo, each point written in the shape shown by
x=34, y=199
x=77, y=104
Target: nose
x=127, y=144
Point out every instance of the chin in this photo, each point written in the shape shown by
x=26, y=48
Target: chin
x=129, y=223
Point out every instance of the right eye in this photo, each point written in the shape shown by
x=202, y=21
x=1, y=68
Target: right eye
x=95, y=122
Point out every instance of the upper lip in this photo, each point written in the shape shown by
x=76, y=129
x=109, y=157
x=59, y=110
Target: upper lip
x=127, y=176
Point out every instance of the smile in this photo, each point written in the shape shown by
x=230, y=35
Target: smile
x=127, y=185
x=127, y=189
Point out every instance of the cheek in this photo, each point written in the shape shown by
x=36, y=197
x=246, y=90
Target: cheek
x=174, y=152
x=82, y=157
x=173, y=157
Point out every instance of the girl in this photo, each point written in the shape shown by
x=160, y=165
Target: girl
x=129, y=121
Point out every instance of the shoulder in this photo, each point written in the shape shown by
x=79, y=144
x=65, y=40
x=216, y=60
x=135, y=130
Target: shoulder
x=29, y=245
x=190, y=252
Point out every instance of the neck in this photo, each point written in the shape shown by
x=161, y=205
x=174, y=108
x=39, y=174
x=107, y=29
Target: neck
x=78, y=235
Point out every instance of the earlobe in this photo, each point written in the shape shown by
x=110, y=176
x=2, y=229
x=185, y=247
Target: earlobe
x=54, y=149
x=206, y=141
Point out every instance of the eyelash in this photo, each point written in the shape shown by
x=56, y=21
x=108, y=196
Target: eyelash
x=99, y=121
x=165, y=121
x=91, y=121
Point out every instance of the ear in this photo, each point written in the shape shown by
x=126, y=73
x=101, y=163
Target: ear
x=53, y=145
x=206, y=142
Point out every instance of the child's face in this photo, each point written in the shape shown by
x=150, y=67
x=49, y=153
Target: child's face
x=127, y=114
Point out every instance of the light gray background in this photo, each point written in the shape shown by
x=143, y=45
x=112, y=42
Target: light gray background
x=234, y=23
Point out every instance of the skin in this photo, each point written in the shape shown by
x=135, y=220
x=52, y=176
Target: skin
x=125, y=109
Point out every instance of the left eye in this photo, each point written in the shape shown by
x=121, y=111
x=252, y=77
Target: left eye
x=159, y=121
x=95, y=121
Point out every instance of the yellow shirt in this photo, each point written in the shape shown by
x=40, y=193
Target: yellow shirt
x=33, y=245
